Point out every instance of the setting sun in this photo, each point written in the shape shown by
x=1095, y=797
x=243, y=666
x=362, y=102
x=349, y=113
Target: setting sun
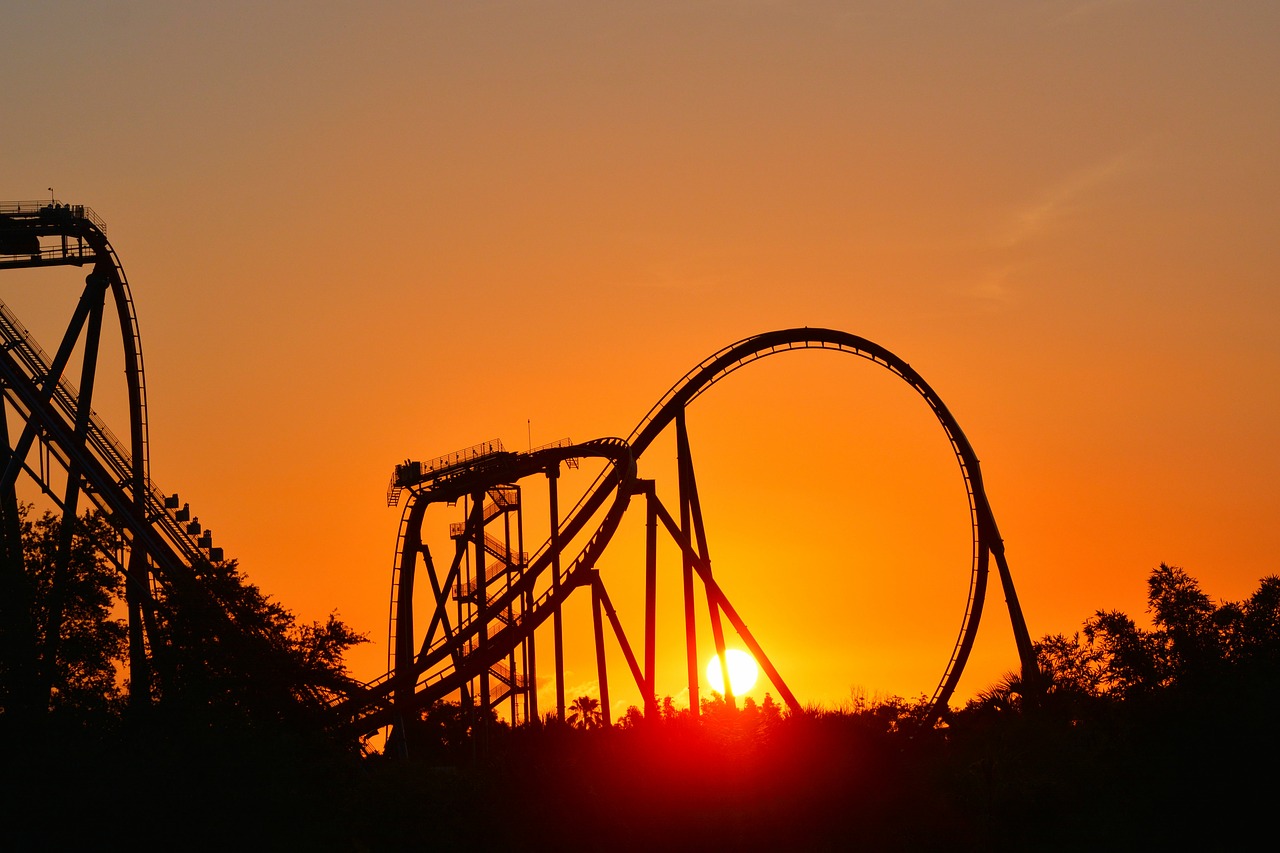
x=743, y=672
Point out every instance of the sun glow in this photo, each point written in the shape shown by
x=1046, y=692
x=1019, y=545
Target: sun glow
x=743, y=672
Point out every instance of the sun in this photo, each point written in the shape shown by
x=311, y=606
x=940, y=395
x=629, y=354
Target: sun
x=743, y=672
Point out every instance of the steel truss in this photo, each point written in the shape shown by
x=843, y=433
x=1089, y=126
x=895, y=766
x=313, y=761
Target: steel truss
x=508, y=604
x=80, y=462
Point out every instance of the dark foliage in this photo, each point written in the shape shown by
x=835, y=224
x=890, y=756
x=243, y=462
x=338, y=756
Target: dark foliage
x=225, y=650
x=79, y=641
x=1196, y=647
x=1143, y=738
x=232, y=752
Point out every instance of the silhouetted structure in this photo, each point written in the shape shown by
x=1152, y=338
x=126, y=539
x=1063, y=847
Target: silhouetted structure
x=73, y=457
x=487, y=605
x=491, y=600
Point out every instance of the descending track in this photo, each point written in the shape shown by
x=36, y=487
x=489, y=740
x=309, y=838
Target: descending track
x=80, y=460
x=452, y=658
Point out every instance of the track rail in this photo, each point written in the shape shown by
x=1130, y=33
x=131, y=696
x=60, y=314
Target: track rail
x=82, y=242
x=739, y=354
x=167, y=556
x=455, y=658
x=452, y=660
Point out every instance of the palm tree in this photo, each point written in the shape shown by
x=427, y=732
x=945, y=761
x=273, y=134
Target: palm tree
x=1006, y=694
x=584, y=713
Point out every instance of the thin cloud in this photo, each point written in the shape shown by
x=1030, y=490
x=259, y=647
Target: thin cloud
x=1066, y=196
x=1038, y=216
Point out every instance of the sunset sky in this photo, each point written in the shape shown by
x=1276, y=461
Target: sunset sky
x=358, y=233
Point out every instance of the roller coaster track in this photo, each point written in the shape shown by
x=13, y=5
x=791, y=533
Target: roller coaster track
x=505, y=605
x=453, y=659
x=163, y=544
x=448, y=662
x=115, y=461
x=986, y=536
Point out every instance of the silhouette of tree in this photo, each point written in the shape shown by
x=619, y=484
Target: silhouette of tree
x=218, y=643
x=1187, y=639
x=1070, y=667
x=713, y=707
x=631, y=718
x=444, y=731
x=1130, y=662
x=1259, y=623
x=1004, y=695
x=80, y=643
x=770, y=710
x=228, y=648
x=1194, y=643
x=584, y=713
x=235, y=742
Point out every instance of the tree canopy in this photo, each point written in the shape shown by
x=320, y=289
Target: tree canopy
x=224, y=651
x=1194, y=644
x=1136, y=721
x=78, y=639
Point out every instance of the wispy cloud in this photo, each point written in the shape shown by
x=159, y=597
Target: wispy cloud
x=1063, y=197
x=1038, y=216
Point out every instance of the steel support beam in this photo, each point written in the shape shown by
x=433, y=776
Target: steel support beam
x=684, y=465
x=71, y=498
x=557, y=618
x=602, y=671
x=719, y=600
x=650, y=590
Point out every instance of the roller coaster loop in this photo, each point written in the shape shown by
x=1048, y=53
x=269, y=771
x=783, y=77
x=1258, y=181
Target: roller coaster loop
x=485, y=653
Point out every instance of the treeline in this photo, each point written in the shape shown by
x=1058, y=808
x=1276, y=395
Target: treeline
x=219, y=649
x=1129, y=737
x=231, y=742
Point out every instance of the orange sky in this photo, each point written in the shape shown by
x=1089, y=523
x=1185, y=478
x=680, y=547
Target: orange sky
x=360, y=233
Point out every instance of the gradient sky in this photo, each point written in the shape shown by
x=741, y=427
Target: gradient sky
x=363, y=232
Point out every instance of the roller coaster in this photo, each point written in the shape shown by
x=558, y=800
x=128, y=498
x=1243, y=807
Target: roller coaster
x=76, y=460
x=490, y=601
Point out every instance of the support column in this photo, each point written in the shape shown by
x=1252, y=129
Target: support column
x=71, y=498
x=557, y=623
x=530, y=649
x=689, y=488
x=684, y=465
x=482, y=615
x=1031, y=679
x=602, y=673
x=512, y=677
x=650, y=598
